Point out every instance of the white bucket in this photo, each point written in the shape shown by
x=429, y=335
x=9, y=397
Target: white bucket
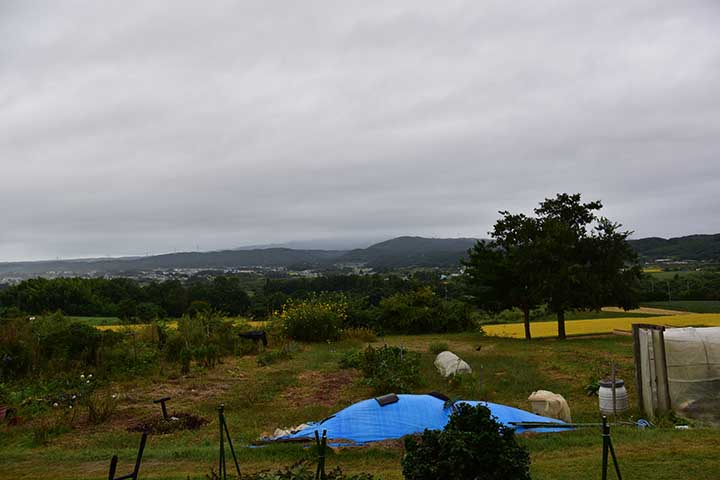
x=605, y=396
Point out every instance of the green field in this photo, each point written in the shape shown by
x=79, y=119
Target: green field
x=311, y=386
x=693, y=306
x=670, y=274
x=97, y=321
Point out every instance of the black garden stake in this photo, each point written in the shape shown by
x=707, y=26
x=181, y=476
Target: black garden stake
x=134, y=474
x=224, y=433
x=608, y=447
x=162, y=401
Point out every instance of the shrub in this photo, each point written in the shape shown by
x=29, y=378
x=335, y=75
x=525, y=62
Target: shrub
x=422, y=311
x=313, y=320
x=473, y=446
x=273, y=356
x=351, y=359
x=60, y=420
x=205, y=337
x=390, y=369
x=362, y=334
x=437, y=347
x=100, y=407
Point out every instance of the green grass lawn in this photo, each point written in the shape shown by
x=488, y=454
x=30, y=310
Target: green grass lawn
x=693, y=306
x=670, y=274
x=96, y=321
x=573, y=315
x=311, y=386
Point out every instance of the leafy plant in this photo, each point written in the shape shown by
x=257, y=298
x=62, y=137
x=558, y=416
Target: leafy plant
x=473, y=446
x=100, y=407
x=363, y=334
x=592, y=388
x=270, y=357
x=422, y=311
x=315, y=319
x=352, y=358
x=390, y=369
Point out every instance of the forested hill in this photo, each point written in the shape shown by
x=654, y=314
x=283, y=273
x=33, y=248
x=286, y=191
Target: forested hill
x=395, y=253
x=412, y=251
x=691, y=247
x=267, y=257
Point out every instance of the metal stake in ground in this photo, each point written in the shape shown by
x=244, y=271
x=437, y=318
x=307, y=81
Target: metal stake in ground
x=162, y=401
x=321, y=445
x=134, y=474
x=608, y=447
x=224, y=433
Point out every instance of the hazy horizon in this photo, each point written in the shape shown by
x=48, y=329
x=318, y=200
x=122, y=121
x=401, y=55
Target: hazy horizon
x=311, y=244
x=129, y=128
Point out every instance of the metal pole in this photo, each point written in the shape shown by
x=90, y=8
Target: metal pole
x=221, y=461
x=232, y=450
x=143, y=439
x=605, y=436
x=614, y=458
x=613, y=393
x=113, y=467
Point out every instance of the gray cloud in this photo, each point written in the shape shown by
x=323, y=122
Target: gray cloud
x=147, y=126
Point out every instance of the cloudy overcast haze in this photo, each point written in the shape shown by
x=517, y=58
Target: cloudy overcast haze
x=129, y=127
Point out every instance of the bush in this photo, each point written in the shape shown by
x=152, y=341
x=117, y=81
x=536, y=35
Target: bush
x=422, y=311
x=390, y=369
x=273, y=356
x=100, y=407
x=473, y=446
x=362, y=334
x=313, y=320
x=351, y=359
x=205, y=338
x=437, y=347
x=60, y=420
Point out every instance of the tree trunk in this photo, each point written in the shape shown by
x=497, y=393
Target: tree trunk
x=561, y=324
x=526, y=314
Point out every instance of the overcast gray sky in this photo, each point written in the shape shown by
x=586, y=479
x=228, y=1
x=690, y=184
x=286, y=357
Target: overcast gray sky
x=139, y=126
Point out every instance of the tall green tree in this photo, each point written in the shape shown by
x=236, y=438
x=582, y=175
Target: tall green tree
x=565, y=257
x=502, y=273
x=585, y=261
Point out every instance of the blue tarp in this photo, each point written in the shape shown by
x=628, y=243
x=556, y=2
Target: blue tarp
x=367, y=421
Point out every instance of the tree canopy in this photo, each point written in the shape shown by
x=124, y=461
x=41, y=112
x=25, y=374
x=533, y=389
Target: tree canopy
x=565, y=256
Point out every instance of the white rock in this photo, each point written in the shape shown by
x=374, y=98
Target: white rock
x=449, y=364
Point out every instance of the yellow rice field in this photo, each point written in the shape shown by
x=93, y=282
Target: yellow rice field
x=599, y=326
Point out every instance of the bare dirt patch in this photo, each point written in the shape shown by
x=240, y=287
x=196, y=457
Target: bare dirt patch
x=175, y=423
x=319, y=388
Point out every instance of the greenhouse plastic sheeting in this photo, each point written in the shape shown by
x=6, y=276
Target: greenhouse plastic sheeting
x=367, y=421
x=693, y=370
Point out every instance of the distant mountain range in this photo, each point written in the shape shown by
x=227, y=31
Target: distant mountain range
x=691, y=247
x=395, y=253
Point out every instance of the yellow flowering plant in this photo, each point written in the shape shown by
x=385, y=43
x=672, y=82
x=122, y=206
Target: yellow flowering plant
x=315, y=319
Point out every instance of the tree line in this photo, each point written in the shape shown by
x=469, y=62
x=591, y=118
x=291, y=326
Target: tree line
x=564, y=257
x=125, y=298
